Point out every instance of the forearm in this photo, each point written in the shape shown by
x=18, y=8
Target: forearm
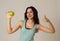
x=9, y=28
x=51, y=27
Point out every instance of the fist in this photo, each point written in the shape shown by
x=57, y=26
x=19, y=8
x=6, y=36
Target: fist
x=45, y=19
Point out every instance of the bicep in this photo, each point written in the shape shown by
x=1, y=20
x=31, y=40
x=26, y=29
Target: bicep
x=43, y=28
x=17, y=26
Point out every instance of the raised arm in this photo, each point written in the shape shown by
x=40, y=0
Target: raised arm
x=49, y=28
x=13, y=29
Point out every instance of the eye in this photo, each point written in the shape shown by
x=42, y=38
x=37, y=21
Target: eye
x=27, y=12
x=31, y=11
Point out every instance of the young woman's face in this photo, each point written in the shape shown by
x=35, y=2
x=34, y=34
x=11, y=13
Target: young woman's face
x=30, y=13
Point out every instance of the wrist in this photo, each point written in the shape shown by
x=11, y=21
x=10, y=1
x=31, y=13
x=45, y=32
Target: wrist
x=9, y=18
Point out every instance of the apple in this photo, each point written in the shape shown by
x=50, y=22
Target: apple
x=11, y=13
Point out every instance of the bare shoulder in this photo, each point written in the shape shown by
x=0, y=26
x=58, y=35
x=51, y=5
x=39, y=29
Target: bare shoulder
x=38, y=26
x=21, y=22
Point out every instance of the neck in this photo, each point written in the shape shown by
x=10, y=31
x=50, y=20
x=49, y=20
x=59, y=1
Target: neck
x=30, y=19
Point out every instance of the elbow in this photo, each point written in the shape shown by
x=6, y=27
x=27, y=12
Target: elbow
x=9, y=32
x=52, y=31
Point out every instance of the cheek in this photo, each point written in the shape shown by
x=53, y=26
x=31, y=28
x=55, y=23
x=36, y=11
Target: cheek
x=32, y=15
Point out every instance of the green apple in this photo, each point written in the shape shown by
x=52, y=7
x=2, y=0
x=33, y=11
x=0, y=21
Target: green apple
x=11, y=13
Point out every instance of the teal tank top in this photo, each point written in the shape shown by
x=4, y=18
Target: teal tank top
x=27, y=34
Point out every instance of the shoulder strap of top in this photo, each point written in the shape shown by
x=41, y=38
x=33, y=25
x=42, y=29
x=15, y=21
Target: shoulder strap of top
x=23, y=23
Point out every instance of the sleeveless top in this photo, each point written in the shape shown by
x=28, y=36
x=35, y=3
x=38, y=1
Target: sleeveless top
x=27, y=34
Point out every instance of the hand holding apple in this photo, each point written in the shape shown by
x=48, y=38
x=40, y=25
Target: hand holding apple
x=10, y=14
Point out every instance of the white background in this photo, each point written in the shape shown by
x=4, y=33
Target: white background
x=52, y=8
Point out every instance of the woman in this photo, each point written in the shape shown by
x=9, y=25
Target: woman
x=30, y=25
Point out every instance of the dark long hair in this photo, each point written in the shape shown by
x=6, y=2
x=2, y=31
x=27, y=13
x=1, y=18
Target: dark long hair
x=35, y=12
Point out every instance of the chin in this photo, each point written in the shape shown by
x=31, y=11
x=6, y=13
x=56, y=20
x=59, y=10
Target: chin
x=29, y=17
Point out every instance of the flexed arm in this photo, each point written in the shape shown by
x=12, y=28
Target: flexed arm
x=50, y=28
x=11, y=29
